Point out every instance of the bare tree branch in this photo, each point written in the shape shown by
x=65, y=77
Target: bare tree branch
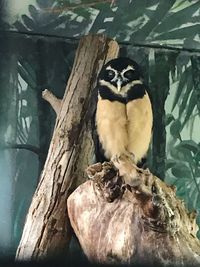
x=85, y=5
x=53, y=100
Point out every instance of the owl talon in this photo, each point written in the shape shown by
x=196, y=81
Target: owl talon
x=115, y=158
x=132, y=156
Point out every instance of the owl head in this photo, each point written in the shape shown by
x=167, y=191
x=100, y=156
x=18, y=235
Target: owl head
x=120, y=74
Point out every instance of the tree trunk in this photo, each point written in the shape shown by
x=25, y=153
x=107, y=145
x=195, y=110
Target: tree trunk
x=159, y=92
x=47, y=229
x=140, y=224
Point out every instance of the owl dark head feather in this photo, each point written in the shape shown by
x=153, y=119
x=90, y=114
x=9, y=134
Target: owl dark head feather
x=120, y=72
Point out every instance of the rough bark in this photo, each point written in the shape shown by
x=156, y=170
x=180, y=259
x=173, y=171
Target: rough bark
x=47, y=228
x=140, y=224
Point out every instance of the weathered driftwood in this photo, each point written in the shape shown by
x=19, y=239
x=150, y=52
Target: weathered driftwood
x=47, y=228
x=143, y=224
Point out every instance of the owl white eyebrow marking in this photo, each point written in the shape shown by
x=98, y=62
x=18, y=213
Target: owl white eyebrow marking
x=127, y=68
x=115, y=71
x=110, y=68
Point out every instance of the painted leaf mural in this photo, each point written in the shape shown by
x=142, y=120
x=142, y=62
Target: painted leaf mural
x=41, y=37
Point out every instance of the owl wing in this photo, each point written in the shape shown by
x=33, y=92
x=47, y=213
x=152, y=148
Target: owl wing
x=99, y=152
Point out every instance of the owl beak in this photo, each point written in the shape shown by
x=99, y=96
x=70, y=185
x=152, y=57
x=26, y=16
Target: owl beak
x=119, y=85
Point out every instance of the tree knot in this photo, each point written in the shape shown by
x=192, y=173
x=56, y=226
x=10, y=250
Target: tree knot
x=107, y=179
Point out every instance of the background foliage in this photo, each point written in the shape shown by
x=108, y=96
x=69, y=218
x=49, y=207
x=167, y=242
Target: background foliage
x=38, y=51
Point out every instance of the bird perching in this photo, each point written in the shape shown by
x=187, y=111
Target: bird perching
x=124, y=113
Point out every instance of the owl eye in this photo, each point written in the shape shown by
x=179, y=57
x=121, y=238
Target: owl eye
x=129, y=74
x=110, y=74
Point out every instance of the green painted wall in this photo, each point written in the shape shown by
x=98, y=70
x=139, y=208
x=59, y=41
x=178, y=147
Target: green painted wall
x=39, y=40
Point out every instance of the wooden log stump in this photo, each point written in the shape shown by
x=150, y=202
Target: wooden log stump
x=47, y=228
x=144, y=223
